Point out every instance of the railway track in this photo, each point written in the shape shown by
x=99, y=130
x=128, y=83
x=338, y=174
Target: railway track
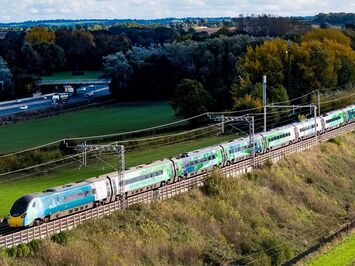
x=14, y=236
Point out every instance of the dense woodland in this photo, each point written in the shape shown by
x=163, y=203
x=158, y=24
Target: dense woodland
x=215, y=71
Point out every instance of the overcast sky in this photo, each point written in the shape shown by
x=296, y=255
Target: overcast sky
x=20, y=10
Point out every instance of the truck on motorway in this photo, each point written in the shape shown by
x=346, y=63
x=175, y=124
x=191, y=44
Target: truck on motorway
x=60, y=98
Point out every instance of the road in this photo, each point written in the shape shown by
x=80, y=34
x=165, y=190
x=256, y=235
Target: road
x=45, y=101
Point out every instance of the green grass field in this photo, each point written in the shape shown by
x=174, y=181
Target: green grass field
x=342, y=254
x=11, y=191
x=90, y=122
x=67, y=75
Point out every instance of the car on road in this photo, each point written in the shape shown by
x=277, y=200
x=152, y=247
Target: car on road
x=24, y=107
x=91, y=86
x=18, y=101
x=89, y=94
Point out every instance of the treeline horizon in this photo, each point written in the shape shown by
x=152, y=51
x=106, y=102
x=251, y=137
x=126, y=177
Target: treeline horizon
x=210, y=71
x=340, y=18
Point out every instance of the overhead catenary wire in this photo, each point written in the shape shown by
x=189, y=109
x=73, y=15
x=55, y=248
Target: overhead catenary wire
x=275, y=114
x=161, y=126
x=214, y=127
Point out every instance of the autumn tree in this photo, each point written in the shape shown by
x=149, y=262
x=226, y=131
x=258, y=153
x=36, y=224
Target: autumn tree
x=269, y=59
x=326, y=34
x=40, y=34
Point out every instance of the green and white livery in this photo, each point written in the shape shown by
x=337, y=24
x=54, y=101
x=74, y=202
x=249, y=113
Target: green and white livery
x=279, y=137
x=198, y=161
x=147, y=175
x=349, y=113
x=334, y=119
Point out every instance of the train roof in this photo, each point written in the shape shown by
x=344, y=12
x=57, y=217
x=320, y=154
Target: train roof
x=332, y=112
x=67, y=186
x=277, y=129
x=349, y=107
x=155, y=163
x=309, y=120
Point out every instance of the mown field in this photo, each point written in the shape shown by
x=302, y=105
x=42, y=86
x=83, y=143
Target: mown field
x=342, y=253
x=10, y=191
x=67, y=75
x=261, y=218
x=89, y=122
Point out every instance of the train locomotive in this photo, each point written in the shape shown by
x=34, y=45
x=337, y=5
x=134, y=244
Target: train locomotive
x=37, y=208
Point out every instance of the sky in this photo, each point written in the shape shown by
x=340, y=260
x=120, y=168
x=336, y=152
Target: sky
x=23, y=10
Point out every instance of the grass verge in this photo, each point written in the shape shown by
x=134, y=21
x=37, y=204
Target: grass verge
x=90, y=122
x=342, y=253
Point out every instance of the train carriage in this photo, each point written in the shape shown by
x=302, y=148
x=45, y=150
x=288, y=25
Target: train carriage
x=333, y=119
x=349, y=113
x=141, y=178
x=279, y=137
x=240, y=149
x=305, y=129
x=192, y=163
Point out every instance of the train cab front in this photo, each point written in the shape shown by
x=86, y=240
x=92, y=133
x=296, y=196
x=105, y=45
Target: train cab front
x=17, y=217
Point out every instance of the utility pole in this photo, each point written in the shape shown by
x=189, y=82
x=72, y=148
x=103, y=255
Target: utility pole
x=315, y=122
x=222, y=123
x=119, y=149
x=245, y=118
x=311, y=106
x=264, y=100
x=318, y=103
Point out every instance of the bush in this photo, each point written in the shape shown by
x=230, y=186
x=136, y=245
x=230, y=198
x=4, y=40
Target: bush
x=213, y=184
x=217, y=254
x=336, y=141
x=19, y=251
x=62, y=238
x=252, y=176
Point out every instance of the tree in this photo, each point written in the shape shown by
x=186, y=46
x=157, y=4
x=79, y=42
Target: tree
x=327, y=34
x=40, y=34
x=78, y=45
x=51, y=55
x=32, y=59
x=279, y=95
x=117, y=67
x=190, y=98
x=269, y=59
x=248, y=102
x=6, y=88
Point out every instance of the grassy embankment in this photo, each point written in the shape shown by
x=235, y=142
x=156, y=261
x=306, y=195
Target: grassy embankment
x=261, y=218
x=89, y=122
x=340, y=253
x=10, y=191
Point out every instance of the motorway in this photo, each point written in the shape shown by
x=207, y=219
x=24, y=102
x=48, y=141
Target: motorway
x=45, y=101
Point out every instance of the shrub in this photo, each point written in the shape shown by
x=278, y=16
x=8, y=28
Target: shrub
x=252, y=176
x=213, y=184
x=62, y=238
x=336, y=141
x=19, y=251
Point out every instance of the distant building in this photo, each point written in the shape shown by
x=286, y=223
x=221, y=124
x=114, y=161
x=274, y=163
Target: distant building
x=205, y=29
x=2, y=34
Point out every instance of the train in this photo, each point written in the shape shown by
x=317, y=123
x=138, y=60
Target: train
x=37, y=208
